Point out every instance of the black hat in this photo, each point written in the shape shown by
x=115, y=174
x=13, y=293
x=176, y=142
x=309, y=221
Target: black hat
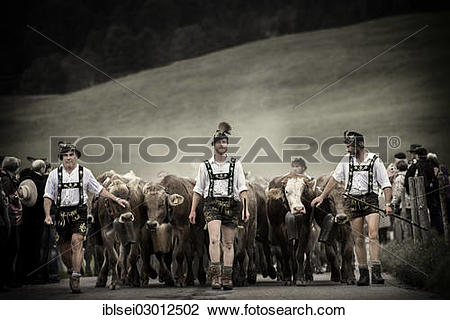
x=421, y=152
x=222, y=132
x=413, y=147
x=353, y=138
x=400, y=155
x=65, y=147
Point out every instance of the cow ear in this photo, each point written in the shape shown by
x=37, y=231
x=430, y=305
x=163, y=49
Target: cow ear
x=274, y=193
x=175, y=199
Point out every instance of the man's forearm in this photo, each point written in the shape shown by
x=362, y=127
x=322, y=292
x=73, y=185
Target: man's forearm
x=387, y=194
x=106, y=194
x=330, y=185
x=47, y=206
x=243, y=195
x=195, y=201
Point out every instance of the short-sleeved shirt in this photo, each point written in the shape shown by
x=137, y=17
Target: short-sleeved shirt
x=220, y=186
x=360, y=184
x=71, y=197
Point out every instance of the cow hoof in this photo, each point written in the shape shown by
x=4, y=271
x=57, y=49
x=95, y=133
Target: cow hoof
x=350, y=282
x=170, y=283
x=300, y=283
x=190, y=283
x=272, y=273
x=202, y=278
x=153, y=274
x=286, y=283
x=251, y=279
x=144, y=283
x=100, y=284
x=335, y=278
x=114, y=287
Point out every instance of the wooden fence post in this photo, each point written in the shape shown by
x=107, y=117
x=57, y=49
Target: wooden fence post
x=443, y=205
x=422, y=209
x=414, y=215
x=406, y=227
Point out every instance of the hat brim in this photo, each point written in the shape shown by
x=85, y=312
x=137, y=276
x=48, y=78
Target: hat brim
x=30, y=201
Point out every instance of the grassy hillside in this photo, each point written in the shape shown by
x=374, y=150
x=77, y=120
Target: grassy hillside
x=255, y=86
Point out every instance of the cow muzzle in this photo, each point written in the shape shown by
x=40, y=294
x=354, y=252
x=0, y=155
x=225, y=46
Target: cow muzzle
x=125, y=231
x=151, y=225
x=126, y=217
x=298, y=210
x=341, y=219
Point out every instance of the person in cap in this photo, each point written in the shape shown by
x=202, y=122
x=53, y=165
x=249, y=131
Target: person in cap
x=423, y=167
x=221, y=181
x=392, y=167
x=412, y=155
x=67, y=187
x=362, y=172
x=31, y=192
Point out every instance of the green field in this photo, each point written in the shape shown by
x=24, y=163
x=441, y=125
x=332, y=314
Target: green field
x=255, y=87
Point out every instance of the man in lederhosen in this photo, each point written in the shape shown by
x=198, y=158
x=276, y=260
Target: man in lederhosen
x=67, y=187
x=221, y=181
x=362, y=171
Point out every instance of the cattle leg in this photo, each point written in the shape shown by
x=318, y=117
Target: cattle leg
x=330, y=250
x=296, y=267
x=239, y=258
x=146, y=247
x=113, y=259
x=269, y=261
x=199, y=247
x=103, y=272
x=165, y=261
x=348, y=274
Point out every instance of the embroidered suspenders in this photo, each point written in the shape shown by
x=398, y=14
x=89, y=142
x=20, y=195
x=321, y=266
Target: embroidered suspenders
x=366, y=167
x=70, y=185
x=220, y=176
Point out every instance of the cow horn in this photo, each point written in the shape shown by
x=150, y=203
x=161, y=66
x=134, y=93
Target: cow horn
x=275, y=193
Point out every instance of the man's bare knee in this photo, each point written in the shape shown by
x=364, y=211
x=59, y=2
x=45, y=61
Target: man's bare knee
x=77, y=241
x=373, y=234
x=228, y=245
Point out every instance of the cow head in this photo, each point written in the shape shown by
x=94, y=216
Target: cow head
x=159, y=204
x=294, y=191
x=336, y=199
x=123, y=217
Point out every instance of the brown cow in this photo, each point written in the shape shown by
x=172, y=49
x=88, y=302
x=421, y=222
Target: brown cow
x=120, y=227
x=340, y=239
x=290, y=216
x=244, y=244
x=168, y=205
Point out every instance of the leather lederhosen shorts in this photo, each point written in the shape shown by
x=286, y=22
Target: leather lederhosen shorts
x=227, y=210
x=356, y=209
x=70, y=220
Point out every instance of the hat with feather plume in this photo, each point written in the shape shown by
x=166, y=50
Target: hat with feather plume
x=222, y=132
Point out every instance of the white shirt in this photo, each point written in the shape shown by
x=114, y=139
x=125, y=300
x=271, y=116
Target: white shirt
x=71, y=197
x=220, y=186
x=360, y=184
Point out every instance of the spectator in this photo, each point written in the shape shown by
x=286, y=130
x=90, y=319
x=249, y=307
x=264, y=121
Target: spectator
x=398, y=189
x=392, y=167
x=10, y=167
x=423, y=167
x=31, y=192
x=298, y=165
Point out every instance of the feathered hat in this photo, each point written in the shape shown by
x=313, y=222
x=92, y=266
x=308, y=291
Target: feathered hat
x=65, y=147
x=223, y=131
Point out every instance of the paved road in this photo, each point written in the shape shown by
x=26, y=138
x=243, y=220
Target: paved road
x=322, y=288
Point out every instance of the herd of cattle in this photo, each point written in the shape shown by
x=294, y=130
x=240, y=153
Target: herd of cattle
x=154, y=239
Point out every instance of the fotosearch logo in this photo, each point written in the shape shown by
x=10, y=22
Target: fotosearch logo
x=196, y=149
